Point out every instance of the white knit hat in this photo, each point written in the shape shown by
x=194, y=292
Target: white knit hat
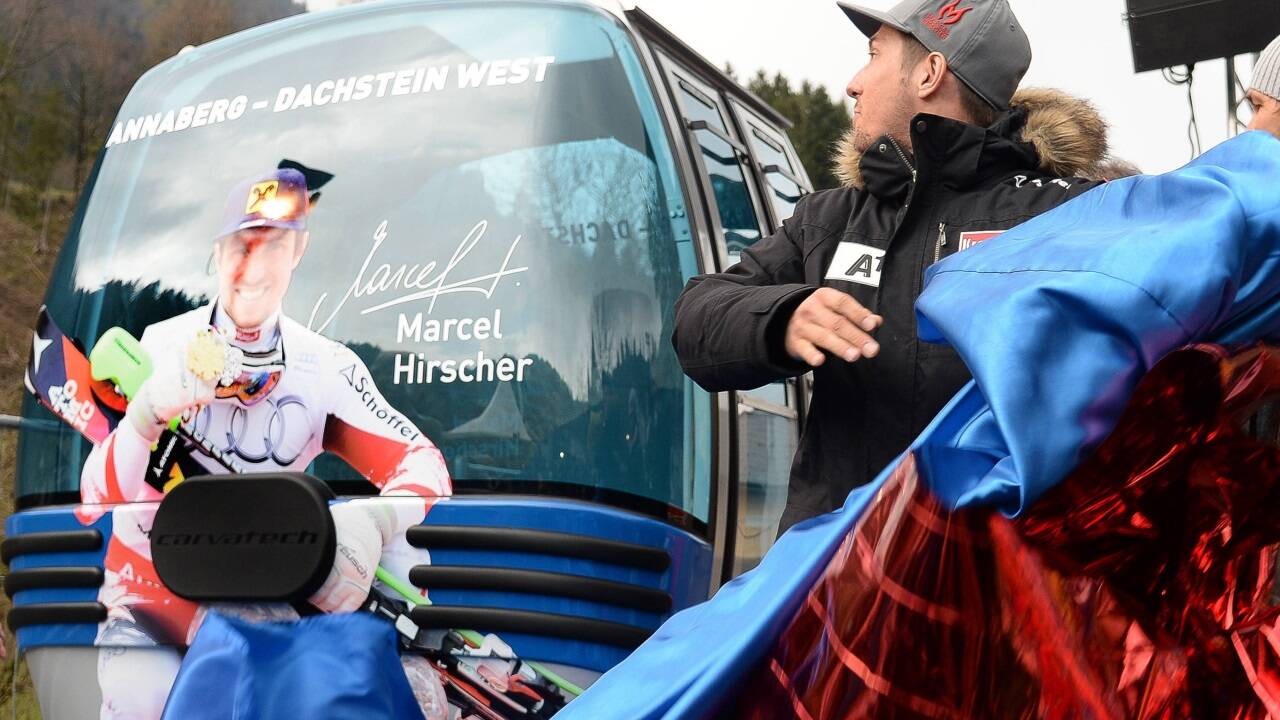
x=1266, y=72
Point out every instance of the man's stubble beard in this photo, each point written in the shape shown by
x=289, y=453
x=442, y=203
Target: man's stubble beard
x=899, y=128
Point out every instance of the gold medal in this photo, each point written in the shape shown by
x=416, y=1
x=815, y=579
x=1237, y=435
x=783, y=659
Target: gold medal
x=207, y=356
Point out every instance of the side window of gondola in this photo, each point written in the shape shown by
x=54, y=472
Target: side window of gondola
x=735, y=152
x=776, y=164
x=723, y=162
x=767, y=440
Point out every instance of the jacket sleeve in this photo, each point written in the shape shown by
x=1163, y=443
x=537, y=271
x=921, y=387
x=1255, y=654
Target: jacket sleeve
x=377, y=440
x=383, y=445
x=729, y=326
x=115, y=471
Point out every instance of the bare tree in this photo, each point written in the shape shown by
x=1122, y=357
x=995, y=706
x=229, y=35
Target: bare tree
x=90, y=52
x=20, y=24
x=22, y=45
x=96, y=66
x=173, y=24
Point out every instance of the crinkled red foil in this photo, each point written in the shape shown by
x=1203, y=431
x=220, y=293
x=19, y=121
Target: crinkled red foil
x=1141, y=587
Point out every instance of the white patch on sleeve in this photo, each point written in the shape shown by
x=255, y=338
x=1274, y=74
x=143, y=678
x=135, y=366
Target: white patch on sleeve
x=856, y=263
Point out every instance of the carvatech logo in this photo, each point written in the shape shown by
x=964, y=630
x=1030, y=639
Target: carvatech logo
x=300, y=537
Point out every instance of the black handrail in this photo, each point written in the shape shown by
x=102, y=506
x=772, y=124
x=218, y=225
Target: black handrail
x=437, y=617
x=21, y=616
x=50, y=542
x=538, y=582
x=509, y=539
x=52, y=577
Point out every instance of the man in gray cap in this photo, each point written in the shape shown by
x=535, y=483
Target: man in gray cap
x=940, y=157
x=1264, y=91
x=977, y=54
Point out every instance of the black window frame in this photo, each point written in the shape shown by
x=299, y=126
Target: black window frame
x=739, y=109
x=748, y=122
x=681, y=78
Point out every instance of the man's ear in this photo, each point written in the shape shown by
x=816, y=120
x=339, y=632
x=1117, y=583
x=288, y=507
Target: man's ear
x=929, y=75
x=300, y=246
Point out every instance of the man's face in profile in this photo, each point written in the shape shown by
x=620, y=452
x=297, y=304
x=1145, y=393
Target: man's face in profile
x=254, y=270
x=882, y=102
x=1266, y=112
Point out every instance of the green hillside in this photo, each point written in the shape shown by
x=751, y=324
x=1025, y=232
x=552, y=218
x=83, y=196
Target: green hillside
x=23, y=275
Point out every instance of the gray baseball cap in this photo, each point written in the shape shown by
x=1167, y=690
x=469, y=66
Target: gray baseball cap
x=982, y=40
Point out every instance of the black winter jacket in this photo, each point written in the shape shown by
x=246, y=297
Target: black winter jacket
x=874, y=243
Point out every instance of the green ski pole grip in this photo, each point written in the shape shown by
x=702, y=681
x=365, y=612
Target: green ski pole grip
x=120, y=358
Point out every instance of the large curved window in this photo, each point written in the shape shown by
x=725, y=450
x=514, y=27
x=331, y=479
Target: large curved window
x=501, y=241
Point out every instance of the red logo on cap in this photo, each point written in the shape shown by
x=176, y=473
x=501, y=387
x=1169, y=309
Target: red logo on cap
x=948, y=15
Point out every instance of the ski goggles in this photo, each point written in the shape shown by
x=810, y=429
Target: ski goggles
x=250, y=387
x=259, y=374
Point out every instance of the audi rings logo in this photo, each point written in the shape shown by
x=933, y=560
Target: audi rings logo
x=277, y=429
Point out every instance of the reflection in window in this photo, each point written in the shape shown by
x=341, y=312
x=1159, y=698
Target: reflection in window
x=766, y=444
x=728, y=183
x=775, y=393
x=785, y=193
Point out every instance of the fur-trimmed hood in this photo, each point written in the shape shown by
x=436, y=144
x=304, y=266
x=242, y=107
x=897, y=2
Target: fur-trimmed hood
x=1068, y=134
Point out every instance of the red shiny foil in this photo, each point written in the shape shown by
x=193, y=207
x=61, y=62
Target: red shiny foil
x=1142, y=587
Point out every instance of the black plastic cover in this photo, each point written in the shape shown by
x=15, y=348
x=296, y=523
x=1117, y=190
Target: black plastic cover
x=244, y=538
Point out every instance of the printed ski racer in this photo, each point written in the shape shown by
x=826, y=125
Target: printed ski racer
x=267, y=418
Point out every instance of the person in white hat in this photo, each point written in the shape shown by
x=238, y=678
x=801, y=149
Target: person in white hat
x=1264, y=90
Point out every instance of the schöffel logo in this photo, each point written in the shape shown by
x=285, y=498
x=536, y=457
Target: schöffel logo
x=301, y=537
x=947, y=16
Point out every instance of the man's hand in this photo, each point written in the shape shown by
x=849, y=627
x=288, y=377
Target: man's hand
x=831, y=321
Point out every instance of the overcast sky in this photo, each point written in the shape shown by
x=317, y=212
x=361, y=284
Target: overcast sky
x=1081, y=46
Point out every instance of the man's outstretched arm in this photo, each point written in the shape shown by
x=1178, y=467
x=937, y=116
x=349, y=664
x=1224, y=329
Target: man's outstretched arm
x=760, y=321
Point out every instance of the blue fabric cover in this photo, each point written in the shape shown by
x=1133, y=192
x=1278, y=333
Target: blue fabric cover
x=1057, y=319
x=327, y=666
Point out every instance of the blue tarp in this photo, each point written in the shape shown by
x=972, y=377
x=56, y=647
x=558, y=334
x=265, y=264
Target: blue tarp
x=1057, y=319
x=337, y=667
